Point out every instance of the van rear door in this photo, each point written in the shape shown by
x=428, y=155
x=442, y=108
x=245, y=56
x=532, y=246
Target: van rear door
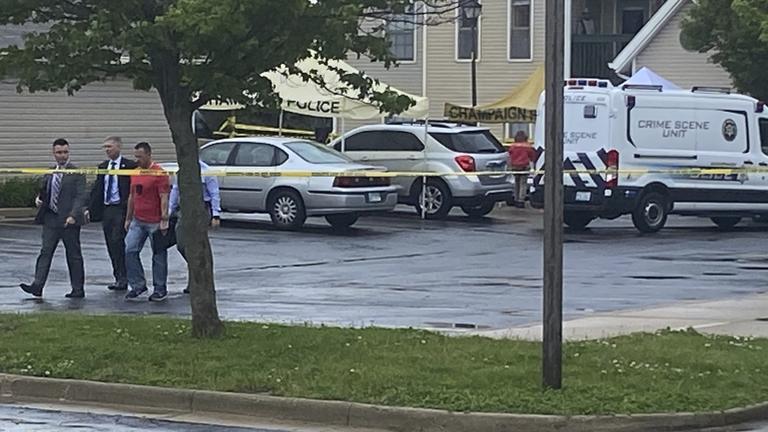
x=586, y=139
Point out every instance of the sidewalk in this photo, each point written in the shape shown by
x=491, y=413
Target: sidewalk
x=743, y=316
x=17, y=213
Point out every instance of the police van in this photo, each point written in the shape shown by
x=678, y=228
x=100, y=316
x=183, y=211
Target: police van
x=646, y=146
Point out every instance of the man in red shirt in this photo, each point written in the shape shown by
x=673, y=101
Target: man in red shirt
x=521, y=154
x=147, y=213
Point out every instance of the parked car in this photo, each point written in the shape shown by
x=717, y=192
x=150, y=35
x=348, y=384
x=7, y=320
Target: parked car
x=290, y=200
x=448, y=148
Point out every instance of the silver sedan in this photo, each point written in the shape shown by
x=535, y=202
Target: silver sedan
x=290, y=200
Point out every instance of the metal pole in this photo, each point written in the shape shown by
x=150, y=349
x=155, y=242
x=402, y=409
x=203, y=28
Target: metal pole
x=280, y=121
x=473, y=67
x=552, y=357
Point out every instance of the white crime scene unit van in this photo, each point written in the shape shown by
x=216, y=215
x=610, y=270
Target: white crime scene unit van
x=668, y=134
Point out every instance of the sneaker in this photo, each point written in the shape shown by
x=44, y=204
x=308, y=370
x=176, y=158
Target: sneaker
x=133, y=295
x=158, y=296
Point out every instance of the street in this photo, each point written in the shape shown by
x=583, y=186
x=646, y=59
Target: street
x=50, y=418
x=396, y=270
x=14, y=418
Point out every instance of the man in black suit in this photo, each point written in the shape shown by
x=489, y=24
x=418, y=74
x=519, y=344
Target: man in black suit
x=61, y=204
x=108, y=203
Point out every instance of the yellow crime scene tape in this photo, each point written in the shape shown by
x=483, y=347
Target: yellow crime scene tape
x=283, y=173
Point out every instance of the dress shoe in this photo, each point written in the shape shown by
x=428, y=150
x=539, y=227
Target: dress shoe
x=32, y=289
x=115, y=287
x=75, y=294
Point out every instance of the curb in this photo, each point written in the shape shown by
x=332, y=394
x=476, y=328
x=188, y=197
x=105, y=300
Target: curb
x=15, y=388
x=17, y=213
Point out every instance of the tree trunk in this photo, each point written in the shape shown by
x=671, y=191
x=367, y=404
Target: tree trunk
x=178, y=112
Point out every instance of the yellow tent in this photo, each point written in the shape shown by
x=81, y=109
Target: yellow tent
x=518, y=106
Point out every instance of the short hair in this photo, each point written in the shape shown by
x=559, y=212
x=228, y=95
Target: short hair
x=144, y=146
x=521, y=136
x=60, y=142
x=114, y=139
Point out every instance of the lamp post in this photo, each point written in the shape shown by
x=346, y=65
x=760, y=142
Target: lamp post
x=471, y=10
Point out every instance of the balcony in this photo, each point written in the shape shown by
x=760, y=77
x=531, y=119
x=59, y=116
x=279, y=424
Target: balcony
x=590, y=54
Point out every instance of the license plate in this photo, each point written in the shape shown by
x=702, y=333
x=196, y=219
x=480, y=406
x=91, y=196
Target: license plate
x=373, y=197
x=583, y=196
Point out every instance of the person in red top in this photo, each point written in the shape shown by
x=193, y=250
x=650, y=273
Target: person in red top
x=147, y=213
x=521, y=155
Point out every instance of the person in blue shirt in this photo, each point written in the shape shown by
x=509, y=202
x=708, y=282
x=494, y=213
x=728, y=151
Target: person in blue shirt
x=212, y=200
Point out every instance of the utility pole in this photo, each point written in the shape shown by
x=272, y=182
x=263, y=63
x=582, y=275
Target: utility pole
x=552, y=342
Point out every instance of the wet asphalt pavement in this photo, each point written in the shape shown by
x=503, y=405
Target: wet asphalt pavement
x=396, y=270
x=21, y=419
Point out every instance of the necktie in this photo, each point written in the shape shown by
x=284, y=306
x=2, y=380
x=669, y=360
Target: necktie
x=55, y=189
x=110, y=184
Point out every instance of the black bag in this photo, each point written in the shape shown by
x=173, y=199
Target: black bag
x=165, y=241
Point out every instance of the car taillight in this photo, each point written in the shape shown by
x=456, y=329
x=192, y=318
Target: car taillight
x=466, y=163
x=351, y=182
x=612, y=167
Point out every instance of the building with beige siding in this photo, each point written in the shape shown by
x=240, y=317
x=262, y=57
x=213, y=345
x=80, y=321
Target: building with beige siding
x=657, y=46
x=30, y=122
x=510, y=34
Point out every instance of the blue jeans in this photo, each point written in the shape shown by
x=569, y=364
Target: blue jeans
x=134, y=243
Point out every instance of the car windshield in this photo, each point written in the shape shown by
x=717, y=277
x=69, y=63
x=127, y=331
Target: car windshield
x=316, y=153
x=478, y=141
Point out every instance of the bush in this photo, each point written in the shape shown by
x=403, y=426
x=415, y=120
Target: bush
x=19, y=191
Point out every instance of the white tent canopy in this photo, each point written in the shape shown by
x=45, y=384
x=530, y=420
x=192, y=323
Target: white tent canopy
x=336, y=98
x=646, y=76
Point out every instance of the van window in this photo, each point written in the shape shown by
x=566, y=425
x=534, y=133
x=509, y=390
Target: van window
x=481, y=141
x=764, y=135
x=585, y=126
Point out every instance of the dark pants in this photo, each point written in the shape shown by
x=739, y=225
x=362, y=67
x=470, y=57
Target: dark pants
x=113, y=224
x=53, y=231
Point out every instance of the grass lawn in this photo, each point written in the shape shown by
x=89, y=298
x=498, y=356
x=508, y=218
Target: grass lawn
x=663, y=372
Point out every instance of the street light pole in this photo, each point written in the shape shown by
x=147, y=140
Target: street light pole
x=474, y=63
x=552, y=340
x=470, y=10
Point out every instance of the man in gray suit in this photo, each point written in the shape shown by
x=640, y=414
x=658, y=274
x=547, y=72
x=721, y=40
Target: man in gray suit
x=61, y=207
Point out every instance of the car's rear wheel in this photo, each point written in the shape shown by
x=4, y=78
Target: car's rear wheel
x=343, y=220
x=726, y=223
x=577, y=220
x=480, y=210
x=286, y=209
x=651, y=213
x=437, y=199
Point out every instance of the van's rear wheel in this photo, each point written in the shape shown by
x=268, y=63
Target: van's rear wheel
x=726, y=223
x=577, y=220
x=651, y=212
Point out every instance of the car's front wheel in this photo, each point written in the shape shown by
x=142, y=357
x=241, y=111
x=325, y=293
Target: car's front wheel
x=480, y=210
x=286, y=209
x=342, y=221
x=436, y=197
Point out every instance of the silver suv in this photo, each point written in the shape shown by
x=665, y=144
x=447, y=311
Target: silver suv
x=449, y=147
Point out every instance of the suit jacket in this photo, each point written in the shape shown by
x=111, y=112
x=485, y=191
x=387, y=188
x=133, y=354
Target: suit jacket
x=72, y=197
x=96, y=202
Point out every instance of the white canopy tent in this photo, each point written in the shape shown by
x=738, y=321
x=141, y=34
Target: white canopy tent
x=335, y=99
x=646, y=76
